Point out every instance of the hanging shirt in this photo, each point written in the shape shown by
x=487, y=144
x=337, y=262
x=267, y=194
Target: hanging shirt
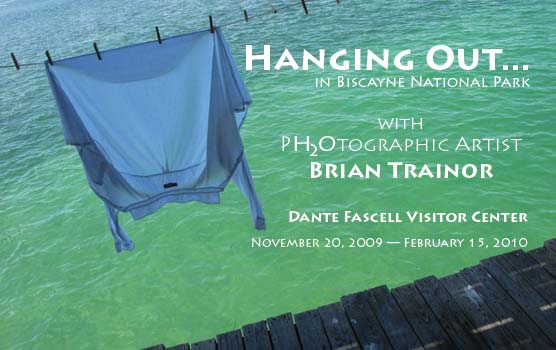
x=157, y=123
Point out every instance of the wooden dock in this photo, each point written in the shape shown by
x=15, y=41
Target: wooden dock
x=505, y=302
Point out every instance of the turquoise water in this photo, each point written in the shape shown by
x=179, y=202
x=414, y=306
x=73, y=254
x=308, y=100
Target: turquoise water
x=193, y=273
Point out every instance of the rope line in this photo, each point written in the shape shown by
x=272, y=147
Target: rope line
x=23, y=64
x=272, y=11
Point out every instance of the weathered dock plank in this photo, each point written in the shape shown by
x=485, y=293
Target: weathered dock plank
x=365, y=325
x=155, y=347
x=179, y=347
x=256, y=336
x=230, y=341
x=422, y=319
x=311, y=331
x=546, y=257
x=209, y=344
x=524, y=295
x=282, y=333
x=449, y=314
x=551, y=244
x=542, y=281
x=506, y=302
x=392, y=319
x=520, y=325
x=490, y=327
x=337, y=327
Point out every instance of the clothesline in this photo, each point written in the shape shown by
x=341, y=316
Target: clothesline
x=246, y=18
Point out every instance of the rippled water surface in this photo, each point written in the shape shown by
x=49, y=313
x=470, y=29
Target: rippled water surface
x=193, y=273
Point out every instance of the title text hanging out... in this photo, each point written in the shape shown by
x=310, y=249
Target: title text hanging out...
x=439, y=57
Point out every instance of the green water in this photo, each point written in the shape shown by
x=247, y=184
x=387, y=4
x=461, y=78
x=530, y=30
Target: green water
x=193, y=273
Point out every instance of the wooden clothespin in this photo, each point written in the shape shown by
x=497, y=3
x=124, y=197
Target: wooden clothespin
x=48, y=57
x=97, y=51
x=245, y=16
x=14, y=59
x=211, y=24
x=158, y=37
x=304, y=7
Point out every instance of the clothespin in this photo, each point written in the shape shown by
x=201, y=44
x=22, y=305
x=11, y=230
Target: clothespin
x=245, y=15
x=97, y=51
x=158, y=35
x=14, y=59
x=48, y=57
x=304, y=7
x=211, y=24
